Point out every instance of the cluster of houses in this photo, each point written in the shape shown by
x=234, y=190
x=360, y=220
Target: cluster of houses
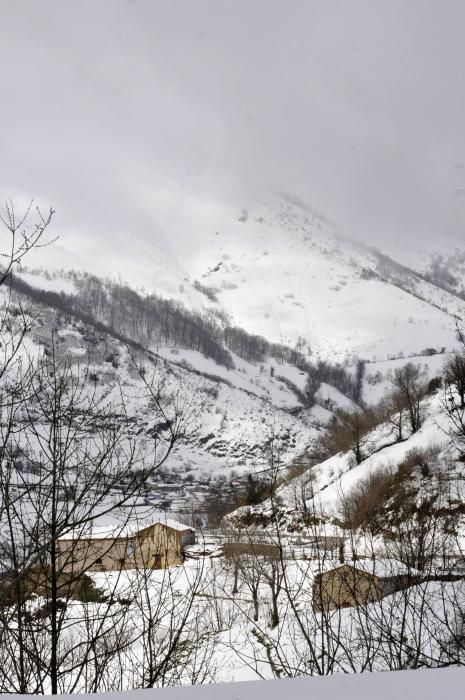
x=162, y=544
x=337, y=583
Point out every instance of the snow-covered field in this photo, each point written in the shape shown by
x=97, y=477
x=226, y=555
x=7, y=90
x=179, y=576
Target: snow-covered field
x=222, y=642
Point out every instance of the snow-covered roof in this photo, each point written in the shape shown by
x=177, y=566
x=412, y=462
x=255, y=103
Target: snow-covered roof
x=381, y=568
x=102, y=532
x=115, y=531
x=169, y=522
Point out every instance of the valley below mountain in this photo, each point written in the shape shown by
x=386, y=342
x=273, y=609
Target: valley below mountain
x=293, y=402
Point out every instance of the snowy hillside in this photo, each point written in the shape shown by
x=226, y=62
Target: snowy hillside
x=234, y=412
x=426, y=464
x=277, y=269
x=335, y=477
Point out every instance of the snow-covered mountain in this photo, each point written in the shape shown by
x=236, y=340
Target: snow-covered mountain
x=282, y=270
x=279, y=270
x=235, y=407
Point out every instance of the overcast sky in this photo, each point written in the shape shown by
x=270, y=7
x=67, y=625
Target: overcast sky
x=357, y=106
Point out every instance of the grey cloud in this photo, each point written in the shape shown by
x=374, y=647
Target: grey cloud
x=357, y=107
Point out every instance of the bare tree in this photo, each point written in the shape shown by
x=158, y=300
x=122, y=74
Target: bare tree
x=251, y=571
x=173, y=626
x=455, y=376
x=69, y=455
x=364, y=504
x=19, y=235
x=395, y=413
x=273, y=572
x=350, y=430
x=409, y=383
x=23, y=235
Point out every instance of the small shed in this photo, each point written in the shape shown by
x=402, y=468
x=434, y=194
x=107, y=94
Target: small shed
x=237, y=543
x=155, y=546
x=359, y=582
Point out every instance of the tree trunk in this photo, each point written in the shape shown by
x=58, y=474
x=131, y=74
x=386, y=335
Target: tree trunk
x=255, y=605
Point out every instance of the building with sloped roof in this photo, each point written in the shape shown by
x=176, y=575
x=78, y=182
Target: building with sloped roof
x=113, y=548
x=359, y=582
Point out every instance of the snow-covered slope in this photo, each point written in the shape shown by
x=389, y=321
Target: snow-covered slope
x=277, y=269
x=323, y=489
x=233, y=412
x=335, y=477
x=377, y=378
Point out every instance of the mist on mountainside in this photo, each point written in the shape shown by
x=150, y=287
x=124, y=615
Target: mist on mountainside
x=232, y=343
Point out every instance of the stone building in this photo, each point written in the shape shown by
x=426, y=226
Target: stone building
x=155, y=546
x=359, y=582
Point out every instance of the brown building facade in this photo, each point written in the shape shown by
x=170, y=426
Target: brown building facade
x=155, y=546
x=359, y=583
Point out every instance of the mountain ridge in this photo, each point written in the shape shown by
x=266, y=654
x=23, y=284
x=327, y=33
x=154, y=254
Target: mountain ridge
x=281, y=271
